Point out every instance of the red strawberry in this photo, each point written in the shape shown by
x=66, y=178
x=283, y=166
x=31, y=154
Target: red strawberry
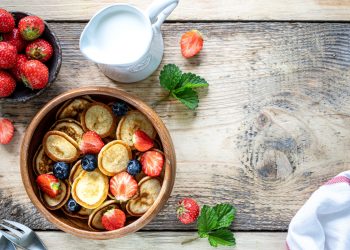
x=113, y=219
x=8, y=55
x=40, y=50
x=191, y=43
x=7, y=84
x=91, y=143
x=142, y=142
x=152, y=163
x=123, y=186
x=14, y=38
x=187, y=210
x=49, y=184
x=6, y=131
x=7, y=22
x=16, y=70
x=35, y=74
x=31, y=27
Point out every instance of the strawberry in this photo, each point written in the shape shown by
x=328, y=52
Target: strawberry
x=31, y=27
x=14, y=38
x=91, y=143
x=6, y=131
x=123, y=186
x=7, y=22
x=8, y=55
x=16, y=70
x=191, y=43
x=142, y=142
x=7, y=84
x=187, y=210
x=49, y=184
x=35, y=74
x=152, y=163
x=113, y=219
x=40, y=50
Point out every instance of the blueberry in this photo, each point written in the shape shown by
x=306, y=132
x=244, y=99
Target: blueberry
x=72, y=205
x=89, y=162
x=134, y=167
x=119, y=108
x=61, y=170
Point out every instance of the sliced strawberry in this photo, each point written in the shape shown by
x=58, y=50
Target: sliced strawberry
x=113, y=219
x=191, y=43
x=123, y=186
x=142, y=142
x=91, y=143
x=49, y=184
x=6, y=131
x=152, y=163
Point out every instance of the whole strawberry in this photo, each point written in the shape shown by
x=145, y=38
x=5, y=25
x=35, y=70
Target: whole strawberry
x=7, y=22
x=6, y=131
x=16, y=70
x=31, y=27
x=14, y=38
x=7, y=84
x=35, y=74
x=8, y=55
x=187, y=210
x=40, y=50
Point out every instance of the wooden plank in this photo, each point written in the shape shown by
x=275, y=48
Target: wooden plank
x=196, y=10
x=273, y=125
x=162, y=240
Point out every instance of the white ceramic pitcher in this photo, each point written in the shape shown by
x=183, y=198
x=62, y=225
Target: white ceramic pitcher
x=135, y=58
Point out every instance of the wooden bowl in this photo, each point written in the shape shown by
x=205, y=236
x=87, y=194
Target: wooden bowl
x=40, y=125
x=23, y=93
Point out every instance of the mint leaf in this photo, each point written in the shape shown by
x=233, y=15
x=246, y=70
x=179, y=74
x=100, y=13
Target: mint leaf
x=188, y=97
x=206, y=221
x=225, y=213
x=193, y=80
x=222, y=236
x=170, y=76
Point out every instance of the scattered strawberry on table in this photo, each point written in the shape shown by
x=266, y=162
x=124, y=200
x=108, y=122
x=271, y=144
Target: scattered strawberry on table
x=22, y=53
x=191, y=43
x=187, y=210
x=6, y=130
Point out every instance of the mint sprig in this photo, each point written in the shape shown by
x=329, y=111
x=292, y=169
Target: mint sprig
x=181, y=85
x=214, y=222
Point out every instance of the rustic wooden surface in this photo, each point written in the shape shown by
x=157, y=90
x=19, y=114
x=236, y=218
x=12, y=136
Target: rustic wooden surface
x=272, y=126
x=197, y=9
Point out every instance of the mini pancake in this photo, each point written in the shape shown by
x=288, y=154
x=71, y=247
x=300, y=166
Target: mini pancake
x=114, y=157
x=149, y=189
x=60, y=147
x=59, y=201
x=83, y=213
x=95, y=219
x=70, y=127
x=75, y=172
x=73, y=108
x=132, y=121
x=90, y=189
x=42, y=164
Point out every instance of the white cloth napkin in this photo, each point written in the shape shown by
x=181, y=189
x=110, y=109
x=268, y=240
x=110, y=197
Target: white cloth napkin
x=323, y=223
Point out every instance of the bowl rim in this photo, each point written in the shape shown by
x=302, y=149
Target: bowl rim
x=56, y=70
x=169, y=152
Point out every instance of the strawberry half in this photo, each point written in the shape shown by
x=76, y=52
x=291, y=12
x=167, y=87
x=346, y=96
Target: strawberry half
x=191, y=43
x=6, y=131
x=187, y=210
x=91, y=143
x=49, y=184
x=113, y=219
x=142, y=142
x=123, y=186
x=152, y=163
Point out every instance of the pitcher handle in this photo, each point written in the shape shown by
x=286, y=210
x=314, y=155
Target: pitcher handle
x=160, y=10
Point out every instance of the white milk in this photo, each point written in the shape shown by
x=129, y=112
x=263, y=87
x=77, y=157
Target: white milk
x=119, y=37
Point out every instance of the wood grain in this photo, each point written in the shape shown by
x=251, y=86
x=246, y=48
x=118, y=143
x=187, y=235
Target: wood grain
x=196, y=10
x=273, y=125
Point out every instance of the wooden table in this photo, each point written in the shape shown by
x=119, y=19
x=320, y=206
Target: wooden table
x=273, y=125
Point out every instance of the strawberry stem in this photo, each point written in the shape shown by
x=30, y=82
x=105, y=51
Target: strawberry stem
x=189, y=241
x=155, y=104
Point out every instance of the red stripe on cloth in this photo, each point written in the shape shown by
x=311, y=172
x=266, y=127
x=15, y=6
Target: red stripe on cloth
x=338, y=179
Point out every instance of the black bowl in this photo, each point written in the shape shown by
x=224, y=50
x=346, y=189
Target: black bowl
x=23, y=93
